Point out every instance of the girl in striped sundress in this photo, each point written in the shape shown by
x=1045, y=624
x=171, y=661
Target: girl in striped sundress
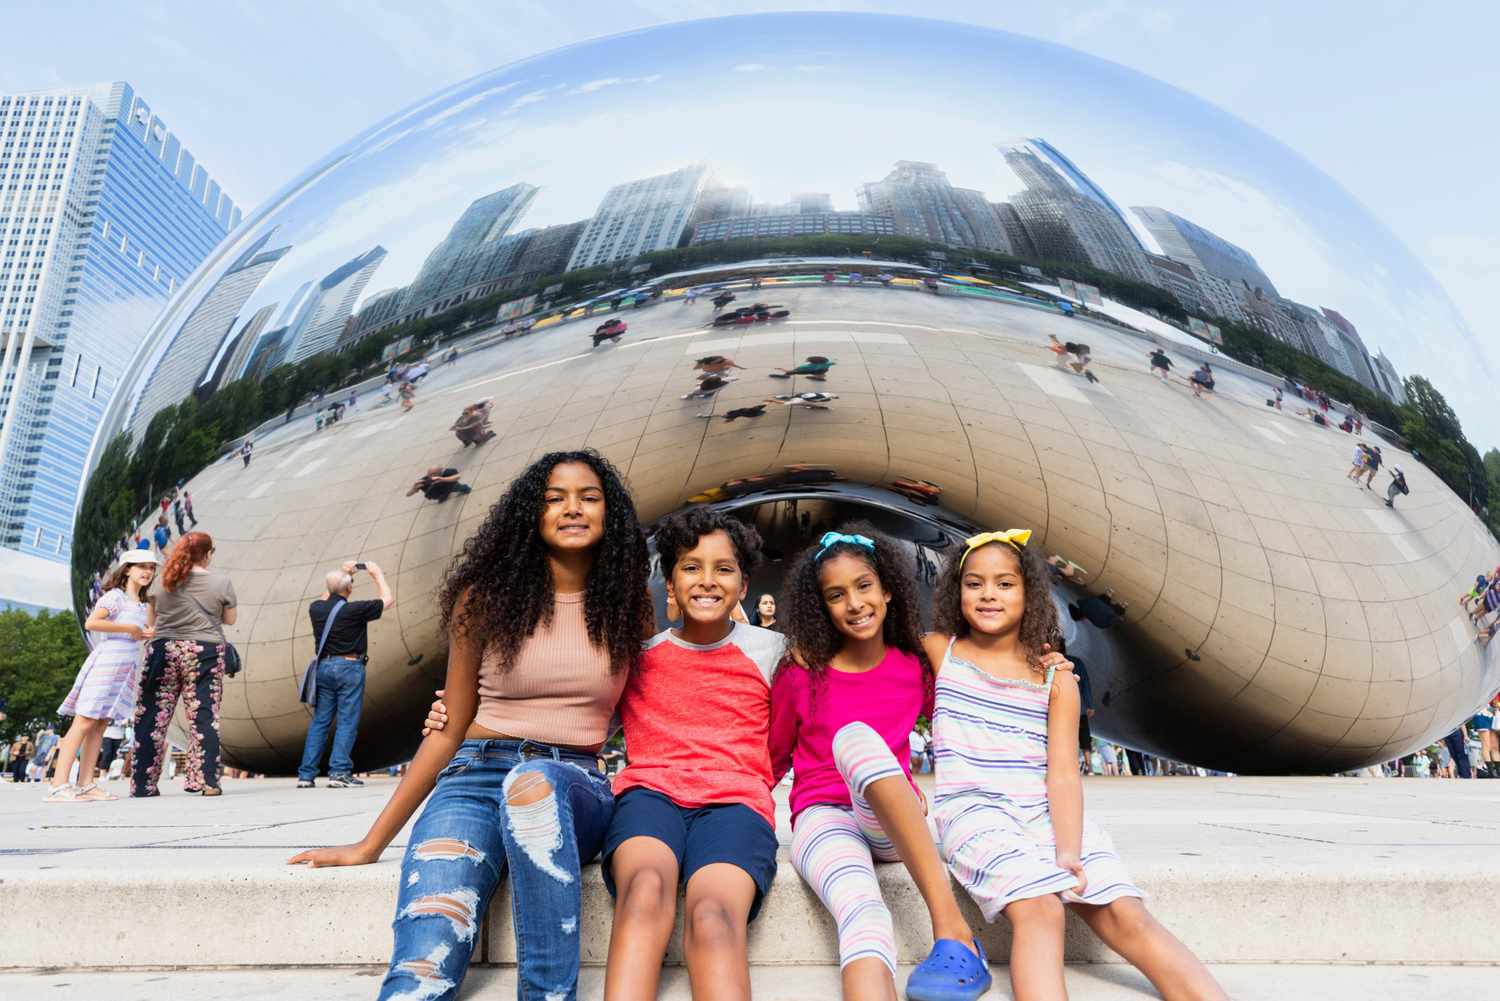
x=1009, y=800
x=842, y=715
x=106, y=688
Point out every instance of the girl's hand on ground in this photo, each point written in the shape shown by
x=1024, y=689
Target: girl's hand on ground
x=1074, y=865
x=437, y=716
x=315, y=858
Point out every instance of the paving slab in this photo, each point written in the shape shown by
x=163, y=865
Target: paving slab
x=1245, y=870
x=1287, y=982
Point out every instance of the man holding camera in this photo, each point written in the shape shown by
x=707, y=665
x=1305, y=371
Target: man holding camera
x=340, y=672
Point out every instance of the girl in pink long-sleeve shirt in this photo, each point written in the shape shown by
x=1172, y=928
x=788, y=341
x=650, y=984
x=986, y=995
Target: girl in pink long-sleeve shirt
x=844, y=723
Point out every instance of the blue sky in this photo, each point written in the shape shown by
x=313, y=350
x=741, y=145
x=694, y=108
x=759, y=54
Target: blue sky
x=1389, y=102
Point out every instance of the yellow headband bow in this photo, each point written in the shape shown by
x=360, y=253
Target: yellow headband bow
x=1013, y=537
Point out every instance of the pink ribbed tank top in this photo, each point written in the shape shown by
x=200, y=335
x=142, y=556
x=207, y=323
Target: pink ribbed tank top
x=559, y=690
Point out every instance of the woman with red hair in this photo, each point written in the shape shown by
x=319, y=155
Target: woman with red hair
x=190, y=605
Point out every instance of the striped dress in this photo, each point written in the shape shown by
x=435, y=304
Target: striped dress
x=107, y=682
x=990, y=808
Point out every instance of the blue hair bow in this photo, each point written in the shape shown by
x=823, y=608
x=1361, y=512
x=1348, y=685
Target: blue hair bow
x=831, y=539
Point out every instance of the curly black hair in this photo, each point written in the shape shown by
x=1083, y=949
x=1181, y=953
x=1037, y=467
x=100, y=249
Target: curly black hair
x=809, y=628
x=677, y=533
x=1039, y=622
x=503, y=570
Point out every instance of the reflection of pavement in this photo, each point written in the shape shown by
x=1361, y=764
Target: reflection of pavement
x=1341, y=870
x=1323, y=624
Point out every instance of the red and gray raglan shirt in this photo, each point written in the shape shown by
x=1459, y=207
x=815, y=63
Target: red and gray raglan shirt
x=697, y=719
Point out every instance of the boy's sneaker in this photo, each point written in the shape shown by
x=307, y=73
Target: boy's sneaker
x=343, y=781
x=306, y=784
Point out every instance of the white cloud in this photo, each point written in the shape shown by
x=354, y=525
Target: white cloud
x=751, y=68
x=612, y=81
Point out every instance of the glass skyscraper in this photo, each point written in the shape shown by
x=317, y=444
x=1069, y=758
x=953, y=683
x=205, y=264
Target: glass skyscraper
x=103, y=214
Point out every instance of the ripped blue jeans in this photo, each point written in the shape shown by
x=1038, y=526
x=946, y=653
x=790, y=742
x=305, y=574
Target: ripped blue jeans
x=467, y=839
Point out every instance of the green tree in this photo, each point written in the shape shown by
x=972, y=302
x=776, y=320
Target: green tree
x=39, y=658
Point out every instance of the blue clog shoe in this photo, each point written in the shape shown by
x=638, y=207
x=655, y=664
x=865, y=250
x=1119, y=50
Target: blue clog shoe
x=951, y=972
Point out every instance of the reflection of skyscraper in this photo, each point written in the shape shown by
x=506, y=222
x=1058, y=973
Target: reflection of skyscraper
x=239, y=351
x=265, y=355
x=485, y=221
x=1354, y=346
x=1015, y=232
x=110, y=215
x=330, y=304
x=926, y=206
x=1390, y=381
x=638, y=217
x=547, y=251
x=186, y=357
x=1068, y=216
x=378, y=309
x=800, y=224
x=1186, y=241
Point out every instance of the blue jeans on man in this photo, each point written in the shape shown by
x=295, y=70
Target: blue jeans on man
x=341, y=696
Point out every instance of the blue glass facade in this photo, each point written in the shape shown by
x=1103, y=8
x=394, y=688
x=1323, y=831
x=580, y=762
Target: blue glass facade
x=128, y=215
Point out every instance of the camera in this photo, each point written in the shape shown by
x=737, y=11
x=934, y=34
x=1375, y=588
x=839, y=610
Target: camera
x=361, y=566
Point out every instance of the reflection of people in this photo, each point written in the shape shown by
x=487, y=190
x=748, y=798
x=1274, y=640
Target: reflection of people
x=473, y=424
x=1397, y=486
x=765, y=613
x=439, y=484
x=245, y=451
x=1161, y=365
x=815, y=367
x=1202, y=379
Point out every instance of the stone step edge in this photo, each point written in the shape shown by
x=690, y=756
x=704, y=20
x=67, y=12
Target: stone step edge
x=296, y=917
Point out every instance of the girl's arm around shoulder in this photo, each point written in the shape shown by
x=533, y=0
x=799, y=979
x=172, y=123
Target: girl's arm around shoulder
x=936, y=645
x=1064, y=785
x=461, y=695
x=788, y=687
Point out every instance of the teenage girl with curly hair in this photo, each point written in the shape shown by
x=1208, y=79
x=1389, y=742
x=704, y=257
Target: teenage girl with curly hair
x=545, y=610
x=1009, y=803
x=843, y=722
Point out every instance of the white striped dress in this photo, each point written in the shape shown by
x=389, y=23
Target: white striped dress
x=994, y=825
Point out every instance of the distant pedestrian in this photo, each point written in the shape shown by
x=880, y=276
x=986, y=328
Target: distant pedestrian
x=246, y=449
x=162, y=536
x=166, y=502
x=177, y=515
x=342, y=628
x=353, y=398
x=187, y=508
x=408, y=394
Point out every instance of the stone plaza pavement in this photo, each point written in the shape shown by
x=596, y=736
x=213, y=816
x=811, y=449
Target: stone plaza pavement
x=1292, y=888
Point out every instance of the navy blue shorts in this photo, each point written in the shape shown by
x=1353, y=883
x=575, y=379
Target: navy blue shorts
x=698, y=836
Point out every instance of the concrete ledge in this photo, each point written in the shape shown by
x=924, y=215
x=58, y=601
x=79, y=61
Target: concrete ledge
x=268, y=914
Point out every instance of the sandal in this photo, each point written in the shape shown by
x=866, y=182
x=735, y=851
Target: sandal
x=951, y=972
x=61, y=794
x=212, y=791
x=92, y=793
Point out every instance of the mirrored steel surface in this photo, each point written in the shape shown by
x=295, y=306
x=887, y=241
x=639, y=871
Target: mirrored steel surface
x=1276, y=616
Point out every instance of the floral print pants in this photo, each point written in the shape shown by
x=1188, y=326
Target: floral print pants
x=191, y=671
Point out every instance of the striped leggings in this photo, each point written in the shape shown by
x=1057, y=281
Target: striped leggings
x=834, y=848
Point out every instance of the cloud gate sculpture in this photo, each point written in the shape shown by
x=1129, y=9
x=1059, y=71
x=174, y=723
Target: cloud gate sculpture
x=812, y=266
